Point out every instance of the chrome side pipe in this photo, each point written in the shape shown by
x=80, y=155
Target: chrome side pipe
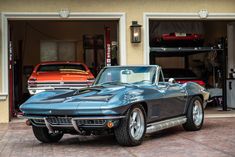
x=157, y=126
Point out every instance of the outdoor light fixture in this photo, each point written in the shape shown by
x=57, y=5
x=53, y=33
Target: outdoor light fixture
x=135, y=32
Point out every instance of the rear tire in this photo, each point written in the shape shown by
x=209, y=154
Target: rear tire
x=131, y=129
x=195, y=115
x=43, y=135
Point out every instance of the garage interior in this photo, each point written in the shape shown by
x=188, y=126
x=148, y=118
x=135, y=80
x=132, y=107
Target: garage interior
x=211, y=59
x=34, y=41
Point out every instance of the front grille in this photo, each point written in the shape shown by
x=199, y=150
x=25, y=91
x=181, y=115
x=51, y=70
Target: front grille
x=68, y=121
x=60, y=120
x=38, y=121
x=91, y=122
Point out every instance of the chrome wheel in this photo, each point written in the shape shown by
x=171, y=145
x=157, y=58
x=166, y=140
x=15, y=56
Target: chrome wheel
x=136, y=124
x=197, y=113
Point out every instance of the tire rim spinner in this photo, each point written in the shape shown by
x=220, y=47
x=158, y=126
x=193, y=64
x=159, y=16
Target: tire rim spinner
x=197, y=113
x=136, y=124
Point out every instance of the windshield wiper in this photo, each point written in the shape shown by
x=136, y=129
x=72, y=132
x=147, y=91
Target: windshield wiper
x=112, y=83
x=143, y=81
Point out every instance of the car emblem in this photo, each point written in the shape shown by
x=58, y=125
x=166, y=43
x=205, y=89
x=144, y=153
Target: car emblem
x=67, y=98
x=50, y=111
x=61, y=83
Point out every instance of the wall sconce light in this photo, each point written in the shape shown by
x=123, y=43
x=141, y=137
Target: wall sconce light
x=135, y=32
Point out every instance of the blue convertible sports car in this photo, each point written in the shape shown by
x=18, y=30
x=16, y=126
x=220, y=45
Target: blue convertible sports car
x=128, y=101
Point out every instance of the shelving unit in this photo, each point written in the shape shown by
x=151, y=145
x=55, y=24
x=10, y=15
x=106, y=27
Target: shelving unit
x=181, y=51
x=187, y=51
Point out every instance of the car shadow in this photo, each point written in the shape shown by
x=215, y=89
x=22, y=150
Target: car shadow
x=97, y=141
x=164, y=133
x=109, y=140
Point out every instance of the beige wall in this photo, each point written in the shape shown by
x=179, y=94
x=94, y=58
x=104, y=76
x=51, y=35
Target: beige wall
x=4, y=111
x=133, y=9
x=0, y=55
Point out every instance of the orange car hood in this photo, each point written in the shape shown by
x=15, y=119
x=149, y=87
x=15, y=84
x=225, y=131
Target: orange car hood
x=61, y=76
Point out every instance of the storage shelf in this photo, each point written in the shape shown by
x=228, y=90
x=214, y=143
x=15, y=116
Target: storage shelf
x=181, y=51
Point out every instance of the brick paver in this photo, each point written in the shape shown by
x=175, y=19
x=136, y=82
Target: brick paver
x=216, y=139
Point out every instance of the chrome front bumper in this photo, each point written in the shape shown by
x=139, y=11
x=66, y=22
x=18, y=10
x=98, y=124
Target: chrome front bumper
x=36, y=90
x=71, y=122
x=43, y=86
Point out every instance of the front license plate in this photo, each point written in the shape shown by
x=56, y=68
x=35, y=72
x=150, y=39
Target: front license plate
x=180, y=34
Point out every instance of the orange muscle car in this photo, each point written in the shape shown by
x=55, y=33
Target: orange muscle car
x=59, y=75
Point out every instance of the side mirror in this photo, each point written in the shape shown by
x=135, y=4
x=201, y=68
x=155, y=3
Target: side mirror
x=171, y=80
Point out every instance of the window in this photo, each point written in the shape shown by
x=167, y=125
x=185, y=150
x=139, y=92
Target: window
x=57, y=51
x=161, y=77
x=61, y=67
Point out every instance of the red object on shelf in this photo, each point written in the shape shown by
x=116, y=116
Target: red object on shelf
x=181, y=36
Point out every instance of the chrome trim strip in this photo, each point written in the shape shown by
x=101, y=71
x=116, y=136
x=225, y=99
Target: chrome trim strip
x=32, y=117
x=63, y=125
x=48, y=125
x=75, y=126
x=53, y=87
x=157, y=126
x=58, y=81
x=53, y=125
x=77, y=118
x=99, y=118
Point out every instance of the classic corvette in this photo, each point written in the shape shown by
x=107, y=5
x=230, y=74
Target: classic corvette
x=59, y=75
x=128, y=101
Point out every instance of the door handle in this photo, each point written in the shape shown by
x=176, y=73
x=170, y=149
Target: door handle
x=182, y=91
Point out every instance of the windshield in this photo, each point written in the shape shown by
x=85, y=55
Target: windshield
x=61, y=68
x=126, y=75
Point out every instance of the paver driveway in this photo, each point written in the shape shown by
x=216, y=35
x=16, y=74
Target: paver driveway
x=216, y=139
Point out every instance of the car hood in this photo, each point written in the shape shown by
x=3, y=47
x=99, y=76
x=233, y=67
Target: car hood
x=69, y=101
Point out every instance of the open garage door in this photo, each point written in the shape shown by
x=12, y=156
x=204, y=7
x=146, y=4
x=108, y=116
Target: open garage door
x=42, y=41
x=193, y=51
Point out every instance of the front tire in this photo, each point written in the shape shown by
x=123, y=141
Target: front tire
x=195, y=115
x=43, y=135
x=131, y=129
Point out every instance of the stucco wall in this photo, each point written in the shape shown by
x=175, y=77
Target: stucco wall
x=133, y=9
x=0, y=54
x=4, y=111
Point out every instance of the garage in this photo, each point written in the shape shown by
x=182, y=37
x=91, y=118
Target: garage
x=37, y=41
x=200, y=51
